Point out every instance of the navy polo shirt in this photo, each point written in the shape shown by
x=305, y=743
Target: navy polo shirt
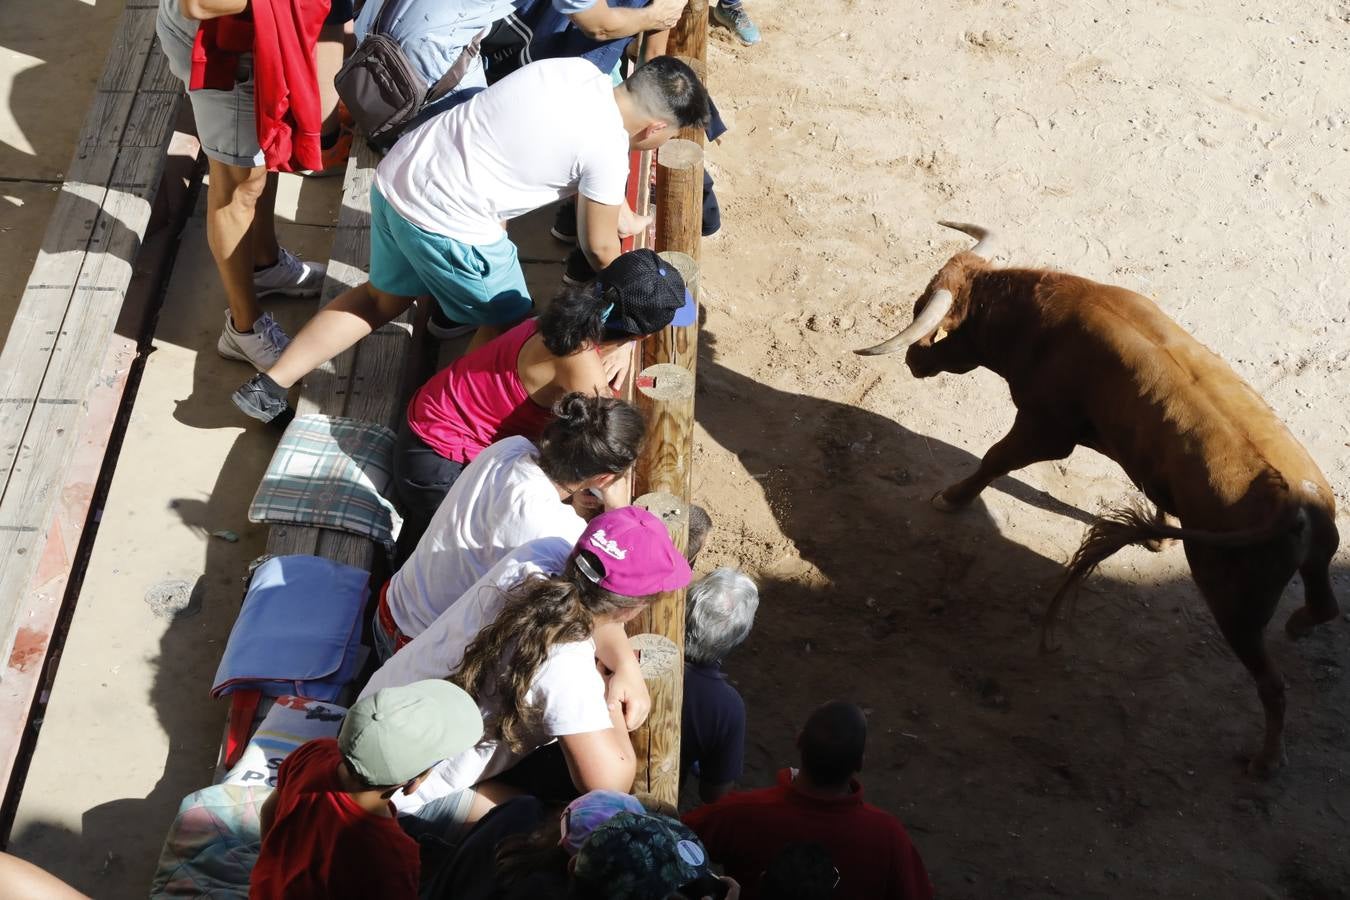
x=713, y=736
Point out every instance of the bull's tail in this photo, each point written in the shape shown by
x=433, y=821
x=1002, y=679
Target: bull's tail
x=1136, y=524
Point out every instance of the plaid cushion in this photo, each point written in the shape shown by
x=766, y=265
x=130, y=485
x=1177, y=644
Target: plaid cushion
x=331, y=472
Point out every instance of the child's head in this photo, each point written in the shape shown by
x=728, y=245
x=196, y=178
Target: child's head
x=392, y=737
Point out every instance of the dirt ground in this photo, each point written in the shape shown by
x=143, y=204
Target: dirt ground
x=1194, y=152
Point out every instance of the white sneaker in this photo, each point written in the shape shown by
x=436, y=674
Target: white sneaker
x=262, y=346
x=289, y=276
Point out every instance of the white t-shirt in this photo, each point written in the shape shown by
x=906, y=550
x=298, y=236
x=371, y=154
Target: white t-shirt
x=500, y=501
x=567, y=690
x=544, y=132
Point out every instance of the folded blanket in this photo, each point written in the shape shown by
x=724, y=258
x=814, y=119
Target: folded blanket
x=331, y=472
x=212, y=845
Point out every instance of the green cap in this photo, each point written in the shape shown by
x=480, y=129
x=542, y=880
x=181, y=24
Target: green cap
x=396, y=734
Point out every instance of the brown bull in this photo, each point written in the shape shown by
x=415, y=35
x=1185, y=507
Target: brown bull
x=1100, y=366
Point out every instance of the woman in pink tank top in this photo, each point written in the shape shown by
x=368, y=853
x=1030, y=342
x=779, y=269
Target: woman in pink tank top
x=508, y=386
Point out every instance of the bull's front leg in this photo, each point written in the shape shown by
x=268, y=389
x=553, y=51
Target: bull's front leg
x=1031, y=439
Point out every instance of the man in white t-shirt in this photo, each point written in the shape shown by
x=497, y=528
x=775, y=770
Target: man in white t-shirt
x=554, y=128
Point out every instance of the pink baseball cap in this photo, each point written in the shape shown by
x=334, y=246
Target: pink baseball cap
x=629, y=551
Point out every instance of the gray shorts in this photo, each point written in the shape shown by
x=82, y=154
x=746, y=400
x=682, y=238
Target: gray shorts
x=226, y=124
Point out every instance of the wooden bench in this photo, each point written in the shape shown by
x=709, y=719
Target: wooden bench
x=63, y=369
x=368, y=382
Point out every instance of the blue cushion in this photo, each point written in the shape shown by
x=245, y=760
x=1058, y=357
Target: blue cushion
x=299, y=631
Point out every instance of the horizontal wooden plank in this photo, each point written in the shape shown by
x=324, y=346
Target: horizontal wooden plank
x=66, y=316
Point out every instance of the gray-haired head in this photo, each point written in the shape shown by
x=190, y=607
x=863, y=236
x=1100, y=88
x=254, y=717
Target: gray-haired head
x=718, y=615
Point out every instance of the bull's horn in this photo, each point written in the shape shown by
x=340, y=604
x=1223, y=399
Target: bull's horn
x=926, y=321
x=983, y=239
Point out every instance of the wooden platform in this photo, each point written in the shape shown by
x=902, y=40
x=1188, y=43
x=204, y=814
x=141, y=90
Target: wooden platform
x=63, y=369
x=368, y=382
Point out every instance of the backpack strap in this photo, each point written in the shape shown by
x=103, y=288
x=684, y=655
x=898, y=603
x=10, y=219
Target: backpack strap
x=386, y=13
x=447, y=82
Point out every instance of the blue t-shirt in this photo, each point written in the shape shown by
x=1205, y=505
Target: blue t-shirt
x=713, y=735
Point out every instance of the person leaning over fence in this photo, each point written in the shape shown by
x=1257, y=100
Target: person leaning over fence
x=440, y=197
x=821, y=803
x=241, y=194
x=514, y=492
x=718, y=613
x=582, y=342
x=329, y=829
x=527, y=656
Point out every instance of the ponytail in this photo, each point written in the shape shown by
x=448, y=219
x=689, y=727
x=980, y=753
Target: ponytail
x=573, y=317
x=590, y=436
x=504, y=657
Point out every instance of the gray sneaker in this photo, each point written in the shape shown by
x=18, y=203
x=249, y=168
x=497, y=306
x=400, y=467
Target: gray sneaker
x=254, y=399
x=289, y=276
x=262, y=346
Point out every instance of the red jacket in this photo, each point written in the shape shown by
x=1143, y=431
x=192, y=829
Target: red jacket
x=281, y=34
x=745, y=830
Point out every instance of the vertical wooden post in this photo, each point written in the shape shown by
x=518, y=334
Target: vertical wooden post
x=689, y=37
x=665, y=393
x=664, y=471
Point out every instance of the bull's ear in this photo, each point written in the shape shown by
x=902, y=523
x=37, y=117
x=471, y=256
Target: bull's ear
x=939, y=334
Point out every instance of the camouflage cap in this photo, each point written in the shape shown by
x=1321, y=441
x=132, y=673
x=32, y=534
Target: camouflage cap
x=638, y=856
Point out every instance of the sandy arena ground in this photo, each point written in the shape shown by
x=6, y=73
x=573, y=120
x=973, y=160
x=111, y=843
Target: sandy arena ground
x=1194, y=152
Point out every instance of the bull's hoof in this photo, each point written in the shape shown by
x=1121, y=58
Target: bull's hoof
x=1158, y=545
x=1264, y=767
x=941, y=502
x=1302, y=621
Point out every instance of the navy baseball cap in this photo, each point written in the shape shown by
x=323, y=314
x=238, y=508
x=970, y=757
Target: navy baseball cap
x=645, y=294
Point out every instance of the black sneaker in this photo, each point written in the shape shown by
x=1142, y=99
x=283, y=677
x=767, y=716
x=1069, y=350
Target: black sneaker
x=565, y=222
x=258, y=398
x=577, y=271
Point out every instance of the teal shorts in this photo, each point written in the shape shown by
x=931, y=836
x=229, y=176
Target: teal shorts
x=474, y=284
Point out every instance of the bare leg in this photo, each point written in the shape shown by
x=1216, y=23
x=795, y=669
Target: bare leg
x=265, y=249
x=232, y=201
x=1029, y=440
x=350, y=317
x=335, y=42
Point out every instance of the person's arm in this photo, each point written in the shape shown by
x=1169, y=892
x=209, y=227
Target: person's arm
x=627, y=689
x=725, y=761
x=602, y=22
x=210, y=9
x=598, y=231
x=21, y=880
x=601, y=760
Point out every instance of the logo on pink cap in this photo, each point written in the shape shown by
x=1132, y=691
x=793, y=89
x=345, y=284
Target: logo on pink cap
x=602, y=543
